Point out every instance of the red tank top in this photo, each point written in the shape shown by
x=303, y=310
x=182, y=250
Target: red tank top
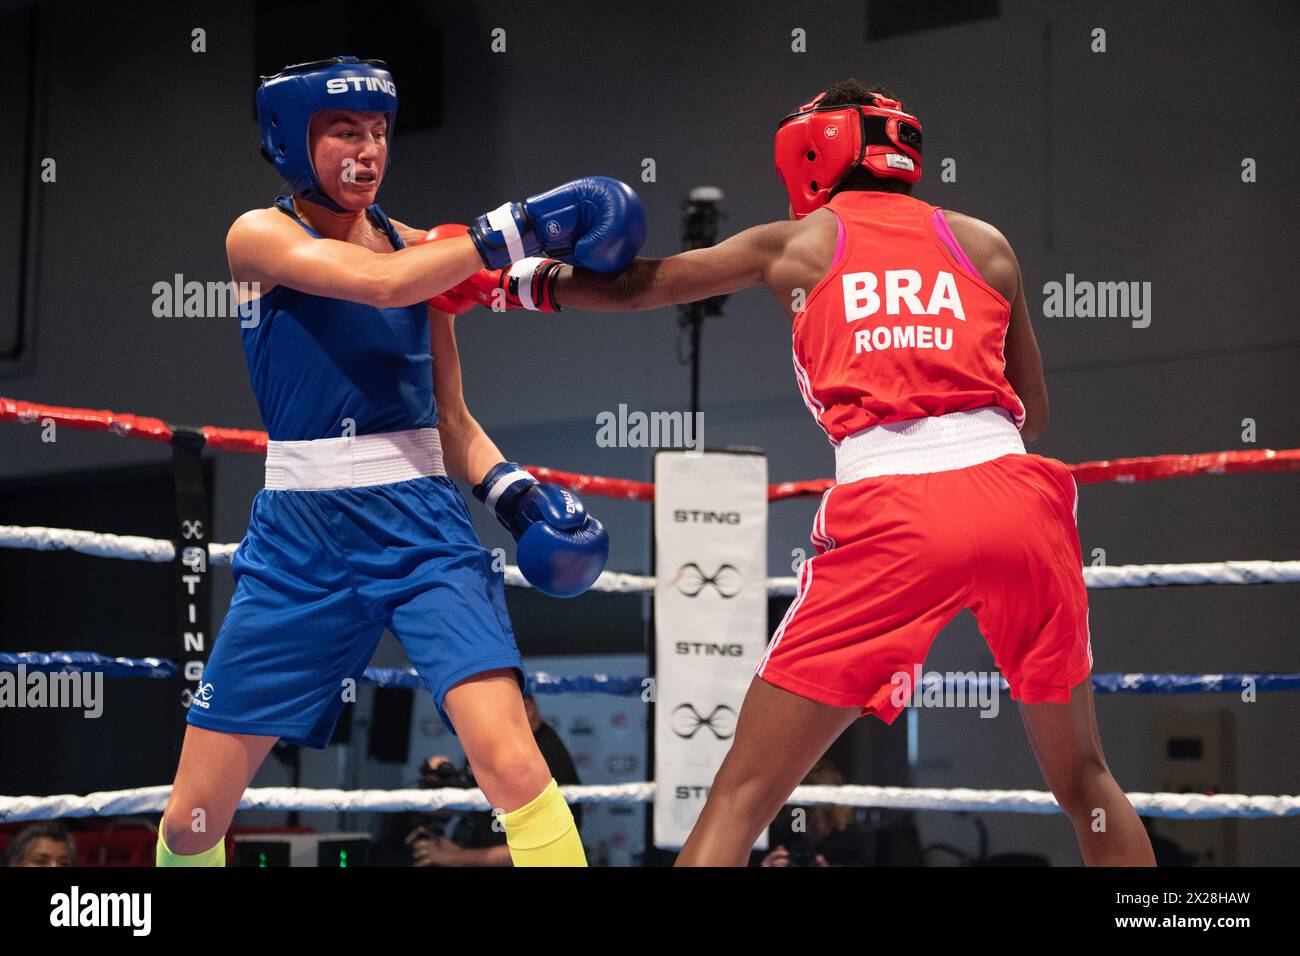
x=898, y=329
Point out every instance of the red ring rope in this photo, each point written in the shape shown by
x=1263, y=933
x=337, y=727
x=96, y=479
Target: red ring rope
x=1150, y=468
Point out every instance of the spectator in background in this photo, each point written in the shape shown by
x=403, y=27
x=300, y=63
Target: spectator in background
x=820, y=836
x=474, y=840
x=42, y=844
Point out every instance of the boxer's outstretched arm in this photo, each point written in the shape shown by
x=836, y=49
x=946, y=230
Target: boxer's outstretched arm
x=737, y=263
x=267, y=247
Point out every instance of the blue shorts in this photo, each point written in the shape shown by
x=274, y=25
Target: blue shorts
x=320, y=575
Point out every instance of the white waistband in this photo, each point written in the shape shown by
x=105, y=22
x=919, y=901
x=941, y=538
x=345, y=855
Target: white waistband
x=919, y=446
x=330, y=463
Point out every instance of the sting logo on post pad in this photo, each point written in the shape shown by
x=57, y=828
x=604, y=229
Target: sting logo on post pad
x=690, y=580
x=690, y=516
x=687, y=721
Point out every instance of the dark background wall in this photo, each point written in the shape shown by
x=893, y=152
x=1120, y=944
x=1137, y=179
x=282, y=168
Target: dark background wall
x=1115, y=166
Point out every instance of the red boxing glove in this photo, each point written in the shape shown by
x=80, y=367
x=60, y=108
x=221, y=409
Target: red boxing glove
x=526, y=284
x=449, y=301
x=452, y=303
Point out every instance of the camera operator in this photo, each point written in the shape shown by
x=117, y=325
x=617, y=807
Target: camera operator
x=820, y=836
x=460, y=838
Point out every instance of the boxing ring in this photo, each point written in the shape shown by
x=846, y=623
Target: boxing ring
x=152, y=799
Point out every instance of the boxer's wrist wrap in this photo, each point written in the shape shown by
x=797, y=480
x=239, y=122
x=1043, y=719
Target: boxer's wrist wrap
x=504, y=235
x=532, y=283
x=501, y=488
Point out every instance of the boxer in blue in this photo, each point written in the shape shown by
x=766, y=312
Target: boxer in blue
x=360, y=527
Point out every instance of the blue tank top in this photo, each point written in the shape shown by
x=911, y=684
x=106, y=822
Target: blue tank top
x=319, y=365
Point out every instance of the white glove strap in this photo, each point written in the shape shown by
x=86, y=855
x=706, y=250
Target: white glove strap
x=503, y=482
x=503, y=221
x=524, y=270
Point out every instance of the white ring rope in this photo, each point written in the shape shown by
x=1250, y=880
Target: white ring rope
x=154, y=799
x=1155, y=575
x=1213, y=572
x=127, y=547
x=135, y=548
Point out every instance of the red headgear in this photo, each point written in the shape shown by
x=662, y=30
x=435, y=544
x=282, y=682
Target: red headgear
x=817, y=146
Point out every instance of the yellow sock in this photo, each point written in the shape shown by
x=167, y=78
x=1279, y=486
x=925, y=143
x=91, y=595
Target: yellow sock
x=213, y=857
x=541, y=832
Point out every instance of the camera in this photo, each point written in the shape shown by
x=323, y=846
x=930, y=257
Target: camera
x=446, y=775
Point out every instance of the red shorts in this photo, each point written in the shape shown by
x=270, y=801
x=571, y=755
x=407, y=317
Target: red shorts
x=899, y=555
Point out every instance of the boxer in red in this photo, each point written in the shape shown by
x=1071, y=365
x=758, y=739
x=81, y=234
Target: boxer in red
x=914, y=352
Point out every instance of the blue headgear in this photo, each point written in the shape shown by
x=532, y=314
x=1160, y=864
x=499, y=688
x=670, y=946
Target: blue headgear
x=287, y=101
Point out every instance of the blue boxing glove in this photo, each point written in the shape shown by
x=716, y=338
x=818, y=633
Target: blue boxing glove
x=594, y=222
x=562, y=550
